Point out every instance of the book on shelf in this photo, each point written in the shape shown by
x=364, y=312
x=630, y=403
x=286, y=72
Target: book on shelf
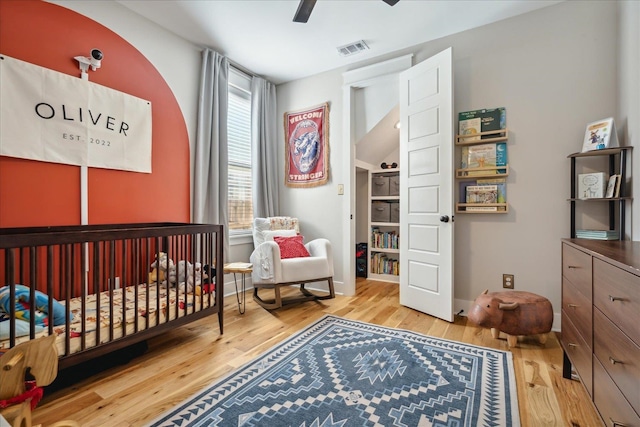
x=598, y=234
x=500, y=183
x=592, y=185
x=384, y=239
x=485, y=155
x=482, y=194
x=611, y=186
x=600, y=135
x=382, y=264
x=464, y=157
x=238, y=265
x=484, y=120
x=616, y=193
x=462, y=190
x=469, y=126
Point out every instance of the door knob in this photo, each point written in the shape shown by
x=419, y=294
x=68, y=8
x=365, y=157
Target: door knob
x=444, y=218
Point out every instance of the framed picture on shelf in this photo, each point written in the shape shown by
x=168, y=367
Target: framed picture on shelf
x=600, y=135
x=592, y=185
x=611, y=186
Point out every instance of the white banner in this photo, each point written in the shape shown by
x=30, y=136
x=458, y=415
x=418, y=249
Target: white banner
x=54, y=117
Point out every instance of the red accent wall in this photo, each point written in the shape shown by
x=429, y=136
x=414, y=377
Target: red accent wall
x=38, y=193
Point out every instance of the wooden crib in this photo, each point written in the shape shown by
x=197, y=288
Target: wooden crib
x=100, y=288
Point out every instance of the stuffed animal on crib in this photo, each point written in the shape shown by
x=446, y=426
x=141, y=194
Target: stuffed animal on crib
x=184, y=277
x=162, y=268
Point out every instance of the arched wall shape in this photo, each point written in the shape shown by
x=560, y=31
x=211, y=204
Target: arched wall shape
x=34, y=193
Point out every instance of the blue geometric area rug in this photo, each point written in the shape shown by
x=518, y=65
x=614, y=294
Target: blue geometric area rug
x=340, y=372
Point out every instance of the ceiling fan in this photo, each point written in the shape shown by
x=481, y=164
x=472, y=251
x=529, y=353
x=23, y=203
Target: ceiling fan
x=306, y=7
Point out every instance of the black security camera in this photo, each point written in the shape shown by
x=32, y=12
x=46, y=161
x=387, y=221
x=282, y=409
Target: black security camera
x=96, y=58
x=96, y=54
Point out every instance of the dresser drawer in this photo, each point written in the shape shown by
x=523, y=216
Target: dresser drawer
x=617, y=294
x=612, y=405
x=619, y=356
x=576, y=267
x=577, y=308
x=577, y=351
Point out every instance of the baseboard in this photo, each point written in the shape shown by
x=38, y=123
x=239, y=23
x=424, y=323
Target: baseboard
x=557, y=322
x=322, y=286
x=461, y=307
x=230, y=285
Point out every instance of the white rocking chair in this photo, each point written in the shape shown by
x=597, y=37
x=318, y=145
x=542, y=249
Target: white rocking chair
x=271, y=272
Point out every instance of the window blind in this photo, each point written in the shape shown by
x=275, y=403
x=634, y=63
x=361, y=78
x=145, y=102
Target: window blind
x=239, y=146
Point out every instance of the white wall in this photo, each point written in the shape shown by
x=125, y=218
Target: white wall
x=554, y=74
x=319, y=209
x=373, y=103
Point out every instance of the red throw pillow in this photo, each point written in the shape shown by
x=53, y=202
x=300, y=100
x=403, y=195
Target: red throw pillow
x=291, y=247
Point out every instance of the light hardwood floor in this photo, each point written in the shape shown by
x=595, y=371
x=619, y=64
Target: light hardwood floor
x=181, y=362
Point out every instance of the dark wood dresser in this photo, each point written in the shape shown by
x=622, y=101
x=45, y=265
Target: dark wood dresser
x=601, y=324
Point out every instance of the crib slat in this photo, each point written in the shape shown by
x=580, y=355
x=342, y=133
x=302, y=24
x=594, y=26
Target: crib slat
x=50, y=290
x=10, y=280
x=32, y=264
x=83, y=293
x=97, y=268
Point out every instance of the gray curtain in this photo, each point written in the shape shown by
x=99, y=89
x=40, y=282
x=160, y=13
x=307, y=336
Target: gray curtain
x=264, y=149
x=210, y=172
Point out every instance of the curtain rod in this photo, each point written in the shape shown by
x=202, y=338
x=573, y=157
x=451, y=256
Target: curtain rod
x=241, y=68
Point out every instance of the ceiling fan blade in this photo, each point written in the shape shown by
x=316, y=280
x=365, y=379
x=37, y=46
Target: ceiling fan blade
x=304, y=11
x=391, y=2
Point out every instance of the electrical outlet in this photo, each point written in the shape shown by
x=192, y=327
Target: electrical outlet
x=507, y=281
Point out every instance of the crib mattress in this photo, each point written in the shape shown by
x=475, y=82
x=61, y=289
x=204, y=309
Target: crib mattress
x=119, y=318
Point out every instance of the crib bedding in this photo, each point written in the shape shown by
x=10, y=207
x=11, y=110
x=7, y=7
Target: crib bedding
x=156, y=304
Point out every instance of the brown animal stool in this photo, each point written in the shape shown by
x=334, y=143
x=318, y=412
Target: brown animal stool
x=514, y=313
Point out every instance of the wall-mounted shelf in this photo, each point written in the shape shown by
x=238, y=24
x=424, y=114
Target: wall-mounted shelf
x=480, y=175
x=486, y=172
x=484, y=208
x=494, y=136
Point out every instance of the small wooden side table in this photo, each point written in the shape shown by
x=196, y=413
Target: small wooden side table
x=242, y=268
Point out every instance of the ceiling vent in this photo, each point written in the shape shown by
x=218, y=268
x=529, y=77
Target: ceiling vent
x=352, y=48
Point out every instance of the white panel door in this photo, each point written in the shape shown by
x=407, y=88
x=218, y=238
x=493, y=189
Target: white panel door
x=426, y=186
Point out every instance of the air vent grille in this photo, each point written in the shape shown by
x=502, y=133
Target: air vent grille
x=352, y=48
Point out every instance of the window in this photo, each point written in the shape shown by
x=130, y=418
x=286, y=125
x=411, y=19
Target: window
x=239, y=140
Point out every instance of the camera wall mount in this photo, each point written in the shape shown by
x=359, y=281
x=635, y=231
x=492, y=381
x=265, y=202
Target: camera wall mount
x=94, y=60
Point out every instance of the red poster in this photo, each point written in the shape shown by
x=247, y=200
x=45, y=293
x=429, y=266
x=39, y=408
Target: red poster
x=307, y=145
